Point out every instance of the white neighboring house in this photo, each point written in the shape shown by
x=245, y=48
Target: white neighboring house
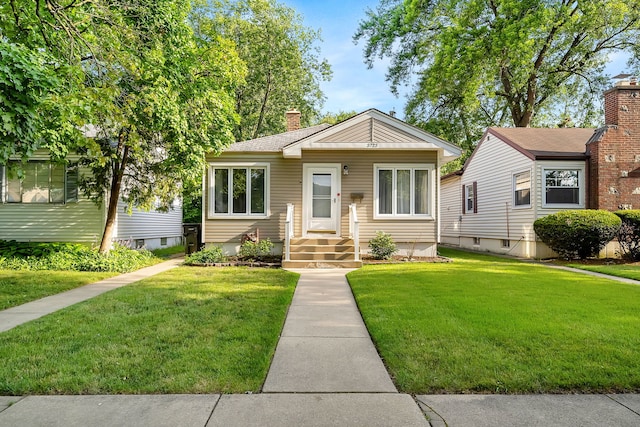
x=47, y=206
x=514, y=176
x=517, y=175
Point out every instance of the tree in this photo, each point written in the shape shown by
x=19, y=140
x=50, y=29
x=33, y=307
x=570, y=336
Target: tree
x=498, y=62
x=158, y=98
x=333, y=118
x=284, y=70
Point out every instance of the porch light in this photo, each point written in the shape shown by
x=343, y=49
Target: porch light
x=345, y=170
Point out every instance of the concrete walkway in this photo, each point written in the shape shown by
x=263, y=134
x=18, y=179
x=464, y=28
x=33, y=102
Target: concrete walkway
x=325, y=372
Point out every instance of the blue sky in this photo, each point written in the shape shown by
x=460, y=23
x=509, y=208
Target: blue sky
x=354, y=86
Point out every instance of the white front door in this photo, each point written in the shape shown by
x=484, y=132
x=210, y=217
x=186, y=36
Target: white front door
x=321, y=199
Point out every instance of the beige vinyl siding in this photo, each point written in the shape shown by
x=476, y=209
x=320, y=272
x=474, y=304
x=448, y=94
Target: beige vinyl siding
x=450, y=209
x=371, y=130
x=147, y=225
x=286, y=187
x=492, y=167
x=360, y=180
x=285, y=182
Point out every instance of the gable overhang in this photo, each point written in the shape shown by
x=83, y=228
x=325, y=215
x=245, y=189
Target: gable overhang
x=425, y=140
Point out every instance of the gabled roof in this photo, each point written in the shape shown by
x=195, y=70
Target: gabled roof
x=371, y=129
x=543, y=143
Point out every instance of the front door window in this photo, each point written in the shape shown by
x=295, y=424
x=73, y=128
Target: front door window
x=321, y=195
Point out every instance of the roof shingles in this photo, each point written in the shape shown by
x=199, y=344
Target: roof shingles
x=275, y=143
x=539, y=143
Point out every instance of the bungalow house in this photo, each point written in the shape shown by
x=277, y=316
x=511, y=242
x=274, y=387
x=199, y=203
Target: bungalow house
x=320, y=193
x=517, y=175
x=46, y=206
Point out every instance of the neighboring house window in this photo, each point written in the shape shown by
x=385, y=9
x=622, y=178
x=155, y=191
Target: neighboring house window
x=562, y=186
x=238, y=190
x=522, y=189
x=42, y=182
x=470, y=198
x=402, y=190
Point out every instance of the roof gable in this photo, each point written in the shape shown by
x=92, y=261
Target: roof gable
x=369, y=130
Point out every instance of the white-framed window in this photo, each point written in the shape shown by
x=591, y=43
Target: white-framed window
x=41, y=182
x=562, y=187
x=238, y=190
x=506, y=243
x=522, y=189
x=403, y=190
x=470, y=198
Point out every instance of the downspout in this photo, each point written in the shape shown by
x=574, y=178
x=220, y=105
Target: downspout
x=506, y=207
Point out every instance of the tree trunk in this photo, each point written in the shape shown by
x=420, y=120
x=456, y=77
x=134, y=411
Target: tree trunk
x=114, y=196
x=267, y=91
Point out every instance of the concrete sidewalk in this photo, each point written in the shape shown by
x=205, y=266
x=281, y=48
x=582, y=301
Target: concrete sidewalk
x=12, y=317
x=325, y=372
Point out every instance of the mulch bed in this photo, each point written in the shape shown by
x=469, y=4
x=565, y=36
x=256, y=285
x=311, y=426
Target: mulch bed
x=266, y=262
x=398, y=259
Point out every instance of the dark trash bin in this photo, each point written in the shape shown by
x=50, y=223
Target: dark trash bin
x=192, y=237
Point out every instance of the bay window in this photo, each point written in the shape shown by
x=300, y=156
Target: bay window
x=403, y=190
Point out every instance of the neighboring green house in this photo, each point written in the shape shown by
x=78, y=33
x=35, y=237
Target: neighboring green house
x=47, y=206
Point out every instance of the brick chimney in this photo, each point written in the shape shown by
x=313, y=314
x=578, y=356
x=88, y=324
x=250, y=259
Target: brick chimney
x=622, y=104
x=293, y=120
x=614, y=166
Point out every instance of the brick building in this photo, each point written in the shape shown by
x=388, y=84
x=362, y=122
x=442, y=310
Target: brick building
x=614, y=151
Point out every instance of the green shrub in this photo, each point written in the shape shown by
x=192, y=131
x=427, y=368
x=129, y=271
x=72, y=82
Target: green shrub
x=629, y=234
x=74, y=257
x=382, y=246
x=209, y=255
x=577, y=234
x=12, y=248
x=250, y=250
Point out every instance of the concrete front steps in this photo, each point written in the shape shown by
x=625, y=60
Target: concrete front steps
x=322, y=253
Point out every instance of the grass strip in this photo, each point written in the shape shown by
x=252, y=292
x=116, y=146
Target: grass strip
x=188, y=330
x=629, y=271
x=485, y=324
x=19, y=287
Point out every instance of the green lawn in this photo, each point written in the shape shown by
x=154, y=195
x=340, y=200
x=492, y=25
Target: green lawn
x=630, y=271
x=18, y=286
x=169, y=252
x=189, y=330
x=493, y=325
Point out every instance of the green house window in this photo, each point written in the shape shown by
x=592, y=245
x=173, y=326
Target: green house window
x=40, y=182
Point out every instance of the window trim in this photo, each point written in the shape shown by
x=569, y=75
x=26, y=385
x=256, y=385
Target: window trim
x=581, y=188
x=513, y=189
x=431, y=204
x=66, y=199
x=465, y=198
x=211, y=213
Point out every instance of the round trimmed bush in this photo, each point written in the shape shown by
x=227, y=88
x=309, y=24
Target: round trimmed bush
x=577, y=234
x=382, y=246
